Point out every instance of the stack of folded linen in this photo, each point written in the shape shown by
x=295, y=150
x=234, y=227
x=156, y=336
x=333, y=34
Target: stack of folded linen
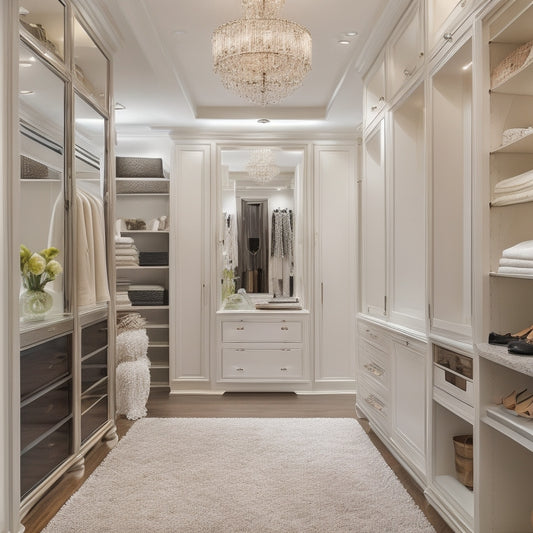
x=517, y=260
x=126, y=253
x=515, y=190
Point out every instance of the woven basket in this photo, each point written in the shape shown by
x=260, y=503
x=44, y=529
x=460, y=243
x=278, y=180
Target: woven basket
x=513, y=62
x=31, y=169
x=130, y=321
x=464, y=464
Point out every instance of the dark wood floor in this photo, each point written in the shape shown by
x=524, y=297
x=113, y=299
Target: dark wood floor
x=276, y=405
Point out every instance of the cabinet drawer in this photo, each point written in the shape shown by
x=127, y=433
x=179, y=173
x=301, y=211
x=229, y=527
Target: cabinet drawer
x=92, y=374
x=374, y=335
x=93, y=418
x=284, y=331
x=374, y=363
x=45, y=457
x=373, y=402
x=44, y=412
x=93, y=337
x=245, y=363
x=43, y=364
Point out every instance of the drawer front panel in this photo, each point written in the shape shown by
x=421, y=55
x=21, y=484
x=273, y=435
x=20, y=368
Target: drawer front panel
x=375, y=336
x=45, y=457
x=93, y=337
x=279, y=364
x=44, y=412
x=374, y=364
x=43, y=364
x=94, y=418
x=283, y=331
x=373, y=402
x=92, y=374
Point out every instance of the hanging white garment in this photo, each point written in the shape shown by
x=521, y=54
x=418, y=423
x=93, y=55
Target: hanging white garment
x=85, y=275
x=99, y=245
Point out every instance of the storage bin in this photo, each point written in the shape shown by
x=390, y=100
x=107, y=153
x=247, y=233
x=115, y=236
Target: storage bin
x=142, y=186
x=147, y=295
x=31, y=169
x=139, y=167
x=153, y=258
x=464, y=463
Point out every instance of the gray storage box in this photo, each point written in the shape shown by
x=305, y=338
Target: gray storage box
x=139, y=167
x=147, y=295
x=142, y=186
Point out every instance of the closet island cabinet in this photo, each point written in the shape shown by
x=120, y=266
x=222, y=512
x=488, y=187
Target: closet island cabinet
x=66, y=370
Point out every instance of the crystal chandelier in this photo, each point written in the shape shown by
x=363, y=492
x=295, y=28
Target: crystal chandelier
x=260, y=56
x=261, y=166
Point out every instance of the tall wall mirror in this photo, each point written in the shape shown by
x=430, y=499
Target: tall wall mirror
x=261, y=230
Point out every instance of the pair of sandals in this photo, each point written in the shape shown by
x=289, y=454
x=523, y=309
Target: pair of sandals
x=521, y=403
x=520, y=343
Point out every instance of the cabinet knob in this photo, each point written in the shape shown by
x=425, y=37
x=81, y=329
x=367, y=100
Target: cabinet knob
x=421, y=54
x=284, y=328
x=240, y=328
x=239, y=369
x=448, y=37
x=407, y=73
x=374, y=108
x=283, y=369
x=381, y=99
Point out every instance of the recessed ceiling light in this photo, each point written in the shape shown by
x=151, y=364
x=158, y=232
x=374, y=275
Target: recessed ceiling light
x=119, y=106
x=179, y=32
x=25, y=91
x=343, y=41
x=263, y=121
x=351, y=34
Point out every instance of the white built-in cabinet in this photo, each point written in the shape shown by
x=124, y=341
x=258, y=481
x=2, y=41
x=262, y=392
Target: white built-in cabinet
x=374, y=92
x=425, y=371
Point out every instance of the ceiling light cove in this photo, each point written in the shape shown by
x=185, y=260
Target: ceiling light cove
x=261, y=57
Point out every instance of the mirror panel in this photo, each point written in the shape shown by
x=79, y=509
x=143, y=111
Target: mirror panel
x=260, y=232
x=42, y=177
x=44, y=22
x=91, y=65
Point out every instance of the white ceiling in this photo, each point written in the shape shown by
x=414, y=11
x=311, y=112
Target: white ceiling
x=163, y=68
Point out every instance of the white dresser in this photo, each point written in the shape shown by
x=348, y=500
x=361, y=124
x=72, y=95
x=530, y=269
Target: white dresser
x=263, y=347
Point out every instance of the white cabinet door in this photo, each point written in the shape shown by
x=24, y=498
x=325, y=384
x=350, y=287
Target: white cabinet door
x=374, y=91
x=335, y=173
x=190, y=215
x=373, y=242
x=409, y=402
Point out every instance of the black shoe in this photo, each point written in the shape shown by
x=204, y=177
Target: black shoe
x=520, y=348
x=506, y=338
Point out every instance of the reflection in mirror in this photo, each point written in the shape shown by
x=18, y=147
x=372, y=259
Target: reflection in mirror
x=90, y=64
x=42, y=219
x=89, y=170
x=44, y=21
x=261, y=247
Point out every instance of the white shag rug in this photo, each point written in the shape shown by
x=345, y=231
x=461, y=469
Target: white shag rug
x=253, y=475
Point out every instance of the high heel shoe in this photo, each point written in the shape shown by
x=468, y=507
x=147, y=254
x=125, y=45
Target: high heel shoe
x=525, y=407
x=510, y=401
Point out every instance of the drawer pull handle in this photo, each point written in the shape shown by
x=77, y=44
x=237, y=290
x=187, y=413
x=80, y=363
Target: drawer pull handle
x=448, y=37
x=374, y=402
x=283, y=369
x=374, y=108
x=374, y=369
x=407, y=73
x=239, y=349
x=239, y=369
x=284, y=328
x=240, y=328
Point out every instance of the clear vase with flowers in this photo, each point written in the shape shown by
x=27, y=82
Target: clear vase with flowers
x=37, y=269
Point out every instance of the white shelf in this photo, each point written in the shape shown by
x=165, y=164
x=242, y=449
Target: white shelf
x=524, y=145
x=455, y=490
x=41, y=180
x=157, y=326
x=156, y=344
x=516, y=428
x=520, y=83
x=142, y=307
x=455, y=406
x=159, y=366
x=162, y=267
x=142, y=193
x=142, y=231
x=500, y=355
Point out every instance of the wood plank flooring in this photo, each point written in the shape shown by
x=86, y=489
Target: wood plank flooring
x=229, y=405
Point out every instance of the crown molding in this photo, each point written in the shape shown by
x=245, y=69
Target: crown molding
x=272, y=113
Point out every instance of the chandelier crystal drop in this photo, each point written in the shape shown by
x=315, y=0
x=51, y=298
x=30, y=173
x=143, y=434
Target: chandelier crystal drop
x=262, y=57
x=261, y=165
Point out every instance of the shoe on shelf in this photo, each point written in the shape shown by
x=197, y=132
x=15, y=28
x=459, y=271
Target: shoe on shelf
x=525, y=407
x=524, y=347
x=506, y=338
x=510, y=401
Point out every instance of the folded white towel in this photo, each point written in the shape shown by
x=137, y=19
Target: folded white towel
x=515, y=184
x=519, y=263
x=522, y=250
x=125, y=252
x=515, y=270
x=127, y=240
x=125, y=246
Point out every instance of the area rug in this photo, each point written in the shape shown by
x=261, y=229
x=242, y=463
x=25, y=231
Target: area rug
x=246, y=475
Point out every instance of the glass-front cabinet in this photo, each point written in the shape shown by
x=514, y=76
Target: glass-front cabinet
x=62, y=233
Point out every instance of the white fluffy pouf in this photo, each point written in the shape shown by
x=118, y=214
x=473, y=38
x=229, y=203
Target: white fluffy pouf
x=133, y=374
x=133, y=389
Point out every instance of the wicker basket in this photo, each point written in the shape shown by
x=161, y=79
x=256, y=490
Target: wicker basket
x=31, y=169
x=513, y=62
x=464, y=464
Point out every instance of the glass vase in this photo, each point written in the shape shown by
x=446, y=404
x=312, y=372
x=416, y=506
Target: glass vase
x=34, y=304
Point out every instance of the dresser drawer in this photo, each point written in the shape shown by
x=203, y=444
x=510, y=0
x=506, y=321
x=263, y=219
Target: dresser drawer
x=279, y=364
x=283, y=331
x=374, y=363
x=375, y=336
x=373, y=402
x=93, y=337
